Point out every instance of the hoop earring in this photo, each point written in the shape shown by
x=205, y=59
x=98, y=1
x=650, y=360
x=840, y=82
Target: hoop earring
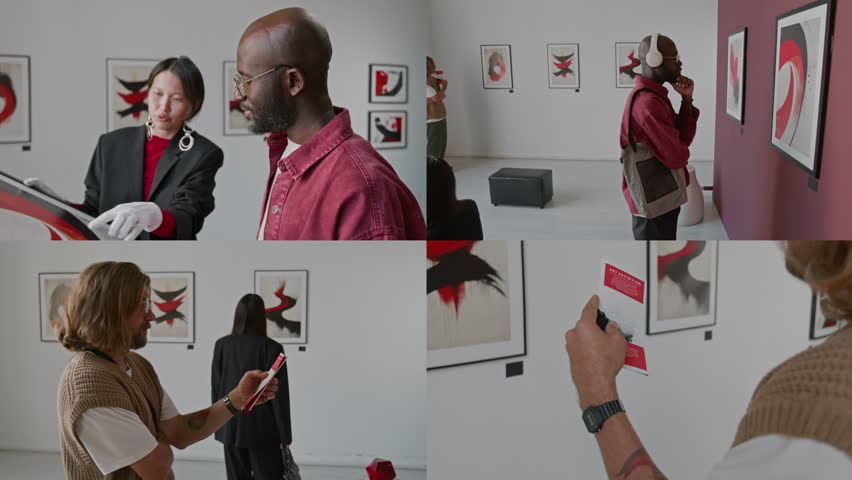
x=187, y=136
x=149, y=126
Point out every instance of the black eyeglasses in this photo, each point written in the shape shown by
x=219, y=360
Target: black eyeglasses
x=240, y=84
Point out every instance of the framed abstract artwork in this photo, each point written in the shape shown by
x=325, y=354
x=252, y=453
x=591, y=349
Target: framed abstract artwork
x=496, y=66
x=235, y=122
x=820, y=326
x=802, y=46
x=735, y=79
x=15, y=104
x=127, y=92
x=682, y=277
x=626, y=64
x=54, y=292
x=173, y=305
x=475, y=302
x=388, y=129
x=563, y=65
x=388, y=83
x=285, y=296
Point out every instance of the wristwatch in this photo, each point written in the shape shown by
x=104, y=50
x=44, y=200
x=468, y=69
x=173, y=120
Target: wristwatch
x=594, y=417
x=231, y=407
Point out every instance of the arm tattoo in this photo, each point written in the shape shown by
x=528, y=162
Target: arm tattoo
x=640, y=458
x=196, y=421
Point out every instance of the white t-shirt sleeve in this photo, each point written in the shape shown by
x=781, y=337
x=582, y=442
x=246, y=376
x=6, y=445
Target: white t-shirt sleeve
x=114, y=437
x=168, y=410
x=778, y=457
x=430, y=92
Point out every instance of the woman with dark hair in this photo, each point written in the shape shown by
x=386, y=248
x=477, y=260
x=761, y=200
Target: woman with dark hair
x=258, y=442
x=447, y=217
x=159, y=177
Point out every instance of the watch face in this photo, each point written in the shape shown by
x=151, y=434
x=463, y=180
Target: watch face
x=589, y=418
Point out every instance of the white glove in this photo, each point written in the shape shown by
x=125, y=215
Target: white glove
x=129, y=219
x=38, y=184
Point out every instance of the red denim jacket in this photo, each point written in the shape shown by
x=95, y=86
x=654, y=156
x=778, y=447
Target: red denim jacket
x=337, y=187
x=667, y=134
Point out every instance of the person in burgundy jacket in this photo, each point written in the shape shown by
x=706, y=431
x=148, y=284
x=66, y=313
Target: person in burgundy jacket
x=155, y=181
x=325, y=182
x=654, y=123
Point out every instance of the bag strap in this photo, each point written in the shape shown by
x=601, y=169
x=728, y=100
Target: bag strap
x=630, y=116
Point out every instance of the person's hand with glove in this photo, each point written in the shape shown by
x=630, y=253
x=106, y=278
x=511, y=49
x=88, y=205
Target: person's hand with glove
x=129, y=219
x=38, y=184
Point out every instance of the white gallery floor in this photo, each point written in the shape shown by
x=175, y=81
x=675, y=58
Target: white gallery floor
x=38, y=466
x=587, y=202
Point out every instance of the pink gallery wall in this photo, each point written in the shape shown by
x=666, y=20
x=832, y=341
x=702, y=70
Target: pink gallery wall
x=759, y=192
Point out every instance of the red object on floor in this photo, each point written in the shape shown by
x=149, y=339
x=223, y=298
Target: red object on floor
x=381, y=470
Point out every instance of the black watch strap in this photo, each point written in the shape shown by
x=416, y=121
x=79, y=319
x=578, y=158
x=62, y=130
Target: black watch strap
x=594, y=417
x=231, y=408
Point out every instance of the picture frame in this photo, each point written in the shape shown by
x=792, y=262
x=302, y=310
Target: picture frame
x=496, y=62
x=15, y=99
x=388, y=83
x=563, y=62
x=819, y=326
x=682, y=284
x=476, y=306
x=54, y=290
x=285, y=296
x=626, y=63
x=800, y=82
x=388, y=129
x=126, y=91
x=233, y=121
x=173, y=306
x=735, y=78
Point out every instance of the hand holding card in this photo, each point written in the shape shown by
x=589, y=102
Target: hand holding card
x=265, y=383
x=622, y=299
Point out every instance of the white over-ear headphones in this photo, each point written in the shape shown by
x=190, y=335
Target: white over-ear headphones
x=654, y=58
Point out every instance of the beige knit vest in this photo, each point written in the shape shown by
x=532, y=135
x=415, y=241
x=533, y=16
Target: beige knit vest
x=807, y=396
x=90, y=381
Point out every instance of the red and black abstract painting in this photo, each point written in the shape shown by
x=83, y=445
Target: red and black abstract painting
x=735, y=85
x=800, y=66
x=277, y=313
x=474, y=292
x=563, y=65
x=127, y=92
x=388, y=83
x=14, y=99
x=626, y=64
x=388, y=129
x=685, y=276
x=285, y=295
x=172, y=297
x=496, y=66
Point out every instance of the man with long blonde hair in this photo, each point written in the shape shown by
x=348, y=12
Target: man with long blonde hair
x=115, y=419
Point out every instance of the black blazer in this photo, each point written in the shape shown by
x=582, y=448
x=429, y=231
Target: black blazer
x=183, y=183
x=267, y=425
x=466, y=225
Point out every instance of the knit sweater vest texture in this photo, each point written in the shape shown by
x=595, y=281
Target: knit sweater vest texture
x=90, y=381
x=807, y=396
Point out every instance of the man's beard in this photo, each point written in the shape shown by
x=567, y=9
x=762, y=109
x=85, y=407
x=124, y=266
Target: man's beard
x=272, y=115
x=139, y=340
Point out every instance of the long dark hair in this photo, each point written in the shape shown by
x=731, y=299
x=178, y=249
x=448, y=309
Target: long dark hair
x=441, y=201
x=250, y=316
x=190, y=78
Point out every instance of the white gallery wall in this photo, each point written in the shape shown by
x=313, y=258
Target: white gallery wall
x=536, y=122
x=357, y=392
x=69, y=42
x=686, y=411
